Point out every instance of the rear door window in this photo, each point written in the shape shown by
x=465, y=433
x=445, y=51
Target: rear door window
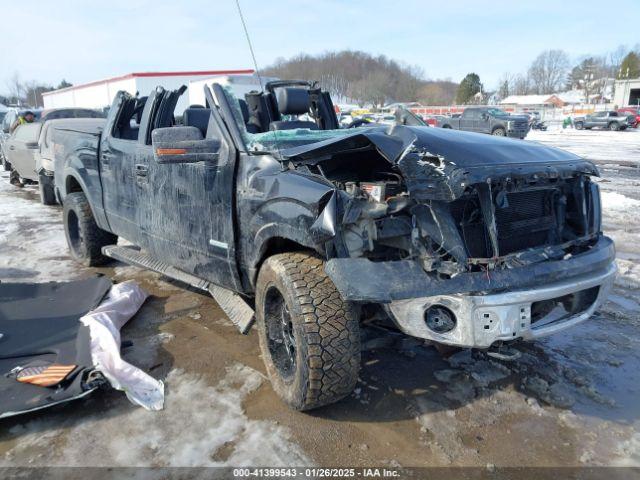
x=28, y=133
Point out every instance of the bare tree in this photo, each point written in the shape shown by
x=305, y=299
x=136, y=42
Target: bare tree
x=521, y=85
x=16, y=89
x=548, y=71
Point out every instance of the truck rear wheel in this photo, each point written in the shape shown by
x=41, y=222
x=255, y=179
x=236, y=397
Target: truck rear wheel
x=499, y=132
x=309, y=336
x=45, y=185
x=84, y=237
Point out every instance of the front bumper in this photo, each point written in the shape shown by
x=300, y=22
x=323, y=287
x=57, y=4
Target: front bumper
x=485, y=319
x=517, y=133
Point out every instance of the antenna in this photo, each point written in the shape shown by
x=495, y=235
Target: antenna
x=255, y=65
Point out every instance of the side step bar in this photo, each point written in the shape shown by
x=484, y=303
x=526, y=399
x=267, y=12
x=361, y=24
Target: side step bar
x=238, y=311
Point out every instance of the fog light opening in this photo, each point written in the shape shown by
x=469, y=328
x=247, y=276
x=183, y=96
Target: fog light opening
x=439, y=319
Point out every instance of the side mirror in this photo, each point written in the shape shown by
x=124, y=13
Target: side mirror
x=485, y=116
x=183, y=145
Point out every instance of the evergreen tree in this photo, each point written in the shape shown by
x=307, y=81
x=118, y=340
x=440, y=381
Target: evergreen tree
x=630, y=67
x=64, y=84
x=469, y=87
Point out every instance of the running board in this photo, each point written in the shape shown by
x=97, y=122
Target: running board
x=240, y=314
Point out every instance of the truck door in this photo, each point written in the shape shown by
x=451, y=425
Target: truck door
x=187, y=207
x=468, y=120
x=118, y=149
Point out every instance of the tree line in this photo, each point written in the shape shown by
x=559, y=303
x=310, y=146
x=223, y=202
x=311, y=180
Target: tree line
x=28, y=93
x=356, y=76
x=552, y=71
x=359, y=77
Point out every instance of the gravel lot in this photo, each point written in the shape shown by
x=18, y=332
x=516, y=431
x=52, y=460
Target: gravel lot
x=572, y=400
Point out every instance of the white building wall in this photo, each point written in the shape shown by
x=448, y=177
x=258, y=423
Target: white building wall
x=623, y=91
x=101, y=94
x=239, y=84
x=92, y=96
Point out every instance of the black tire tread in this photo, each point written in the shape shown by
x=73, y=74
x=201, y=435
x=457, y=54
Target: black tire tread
x=331, y=329
x=93, y=236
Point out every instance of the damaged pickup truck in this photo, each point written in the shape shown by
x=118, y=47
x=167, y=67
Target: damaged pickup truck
x=457, y=238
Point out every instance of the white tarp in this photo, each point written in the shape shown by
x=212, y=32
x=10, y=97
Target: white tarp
x=104, y=322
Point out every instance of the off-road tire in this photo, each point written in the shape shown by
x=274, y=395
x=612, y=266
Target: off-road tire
x=579, y=125
x=614, y=127
x=325, y=329
x=84, y=238
x=47, y=194
x=499, y=132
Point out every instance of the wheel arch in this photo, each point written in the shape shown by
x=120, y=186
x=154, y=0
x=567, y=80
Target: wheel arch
x=270, y=242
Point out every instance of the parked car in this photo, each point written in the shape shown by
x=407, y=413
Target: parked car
x=451, y=237
x=489, y=120
x=631, y=112
x=5, y=132
x=21, y=149
x=610, y=120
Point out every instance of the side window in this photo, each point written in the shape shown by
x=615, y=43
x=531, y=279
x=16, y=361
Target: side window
x=613, y=114
x=28, y=133
x=472, y=114
x=128, y=124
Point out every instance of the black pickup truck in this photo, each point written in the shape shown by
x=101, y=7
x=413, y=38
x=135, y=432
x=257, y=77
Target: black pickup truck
x=491, y=120
x=450, y=237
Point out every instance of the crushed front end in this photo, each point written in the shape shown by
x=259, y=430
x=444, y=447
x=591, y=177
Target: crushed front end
x=462, y=239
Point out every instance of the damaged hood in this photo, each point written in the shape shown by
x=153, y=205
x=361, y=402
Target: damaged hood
x=440, y=163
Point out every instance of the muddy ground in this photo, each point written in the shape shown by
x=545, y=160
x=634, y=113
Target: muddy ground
x=572, y=400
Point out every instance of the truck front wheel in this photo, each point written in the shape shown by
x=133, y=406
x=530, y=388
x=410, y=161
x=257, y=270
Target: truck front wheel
x=614, y=127
x=309, y=336
x=84, y=237
x=499, y=132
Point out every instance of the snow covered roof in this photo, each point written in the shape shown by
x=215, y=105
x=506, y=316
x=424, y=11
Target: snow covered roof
x=572, y=96
x=527, y=100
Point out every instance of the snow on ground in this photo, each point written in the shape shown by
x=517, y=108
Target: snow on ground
x=601, y=146
x=26, y=226
x=201, y=425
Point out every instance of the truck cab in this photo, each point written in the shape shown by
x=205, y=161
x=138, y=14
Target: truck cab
x=489, y=120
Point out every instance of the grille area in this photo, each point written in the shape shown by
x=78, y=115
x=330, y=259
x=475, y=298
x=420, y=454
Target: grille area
x=526, y=220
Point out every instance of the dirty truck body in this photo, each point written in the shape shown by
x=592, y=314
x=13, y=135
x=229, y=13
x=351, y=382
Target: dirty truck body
x=488, y=120
x=459, y=238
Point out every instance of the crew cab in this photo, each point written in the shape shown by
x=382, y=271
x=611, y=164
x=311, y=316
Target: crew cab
x=451, y=237
x=610, y=120
x=489, y=120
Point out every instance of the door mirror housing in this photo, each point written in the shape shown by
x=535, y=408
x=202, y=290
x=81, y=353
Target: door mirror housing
x=183, y=145
x=485, y=116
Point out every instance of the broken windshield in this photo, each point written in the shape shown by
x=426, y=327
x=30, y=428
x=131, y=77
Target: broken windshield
x=273, y=141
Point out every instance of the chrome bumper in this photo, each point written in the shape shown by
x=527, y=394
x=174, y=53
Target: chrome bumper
x=485, y=319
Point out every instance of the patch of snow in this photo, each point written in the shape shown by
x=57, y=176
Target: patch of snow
x=617, y=202
x=201, y=425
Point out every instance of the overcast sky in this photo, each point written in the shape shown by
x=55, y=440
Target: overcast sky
x=87, y=40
